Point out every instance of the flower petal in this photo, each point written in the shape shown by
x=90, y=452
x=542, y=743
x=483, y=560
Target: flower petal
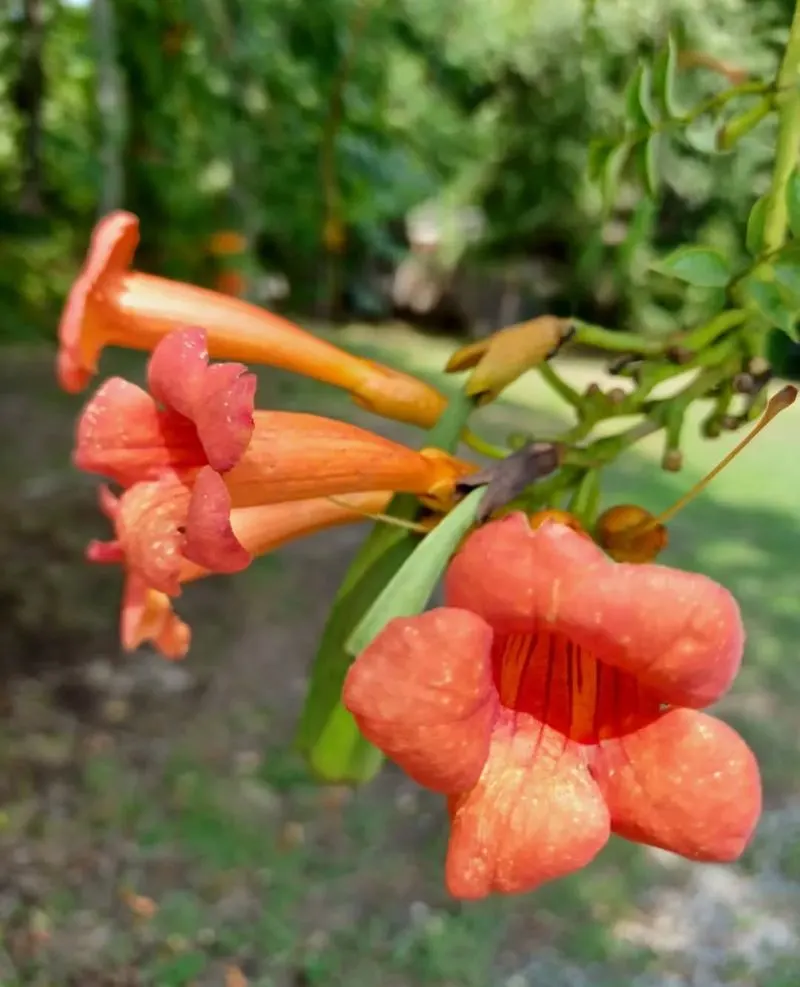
x=121, y=434
x=393, y=394
x=422, y=692
x=80, y=333
x=685, y=782
x=149, y=527
x=218, y=399
x=679, y=633
x=147, y=615
x=296, y=456
x=209, y=540
x=534, y=815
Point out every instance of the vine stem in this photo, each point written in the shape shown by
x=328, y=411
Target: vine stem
x=788, y=143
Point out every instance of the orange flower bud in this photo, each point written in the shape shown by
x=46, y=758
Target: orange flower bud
x=537, y=519
x=499, y=359
x=630, y=534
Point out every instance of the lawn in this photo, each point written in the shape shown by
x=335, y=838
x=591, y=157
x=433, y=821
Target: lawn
x=157, y=828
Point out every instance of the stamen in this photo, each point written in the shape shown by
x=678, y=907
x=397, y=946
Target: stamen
x=778, y=402
x=382, y=518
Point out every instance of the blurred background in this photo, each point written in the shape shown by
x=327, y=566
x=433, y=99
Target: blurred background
x=396, y=175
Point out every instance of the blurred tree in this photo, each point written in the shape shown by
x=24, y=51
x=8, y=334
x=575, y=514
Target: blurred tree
x=311, y=130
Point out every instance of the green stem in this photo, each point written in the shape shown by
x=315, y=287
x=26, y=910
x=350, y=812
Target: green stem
x=559, y=385
x=709, y=332
x=788, y=101
x=615, y=342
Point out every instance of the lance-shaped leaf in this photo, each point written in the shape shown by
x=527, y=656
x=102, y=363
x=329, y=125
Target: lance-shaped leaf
x=648, y=163
x=754, y=239
x=409, y=590
x=328, y=735
x=664, y=72
x=640, y=109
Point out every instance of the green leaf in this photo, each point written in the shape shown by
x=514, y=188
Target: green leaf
x=612, y=172
x=664, y=72
x=599, y=151
x=327, y=734
x=755, y=226
x=766, y=298
x=647, y=164
x=341, y=753
x=640, y=110
x=739, y=126
x=702, y=267
x=787, y=278
x=411, y=587
x=793, y=203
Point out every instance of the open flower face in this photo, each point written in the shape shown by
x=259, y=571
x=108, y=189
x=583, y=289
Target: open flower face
x=193, y=450
x=110, y=304
x=556, y=699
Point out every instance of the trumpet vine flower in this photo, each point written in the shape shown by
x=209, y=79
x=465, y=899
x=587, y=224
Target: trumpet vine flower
x=111, y=304
x=147, y=613
x=557, y=698
x=193, y=449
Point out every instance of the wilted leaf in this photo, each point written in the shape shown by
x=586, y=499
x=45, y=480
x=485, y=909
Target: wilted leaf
x=702, y=267
x=664, y=71
x=508, y=478
x=755, y=227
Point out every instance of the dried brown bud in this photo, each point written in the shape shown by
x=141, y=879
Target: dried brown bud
x=759, y=367
x=744, y=383
x=680, y=355
x=616, y=395
x=672, y=461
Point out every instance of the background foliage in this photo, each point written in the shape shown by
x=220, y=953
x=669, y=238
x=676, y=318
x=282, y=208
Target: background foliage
x=313, y=129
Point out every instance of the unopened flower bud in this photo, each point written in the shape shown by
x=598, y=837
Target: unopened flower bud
x=672, y=461
x=537, y=519
x=616, y=395
x=630, y=534
x=680, y=355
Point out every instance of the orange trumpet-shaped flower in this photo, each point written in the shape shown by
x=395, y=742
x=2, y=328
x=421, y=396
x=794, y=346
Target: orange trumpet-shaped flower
x=194, y=448
x=110, y=304
x=147, y=613
x=556, y=699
